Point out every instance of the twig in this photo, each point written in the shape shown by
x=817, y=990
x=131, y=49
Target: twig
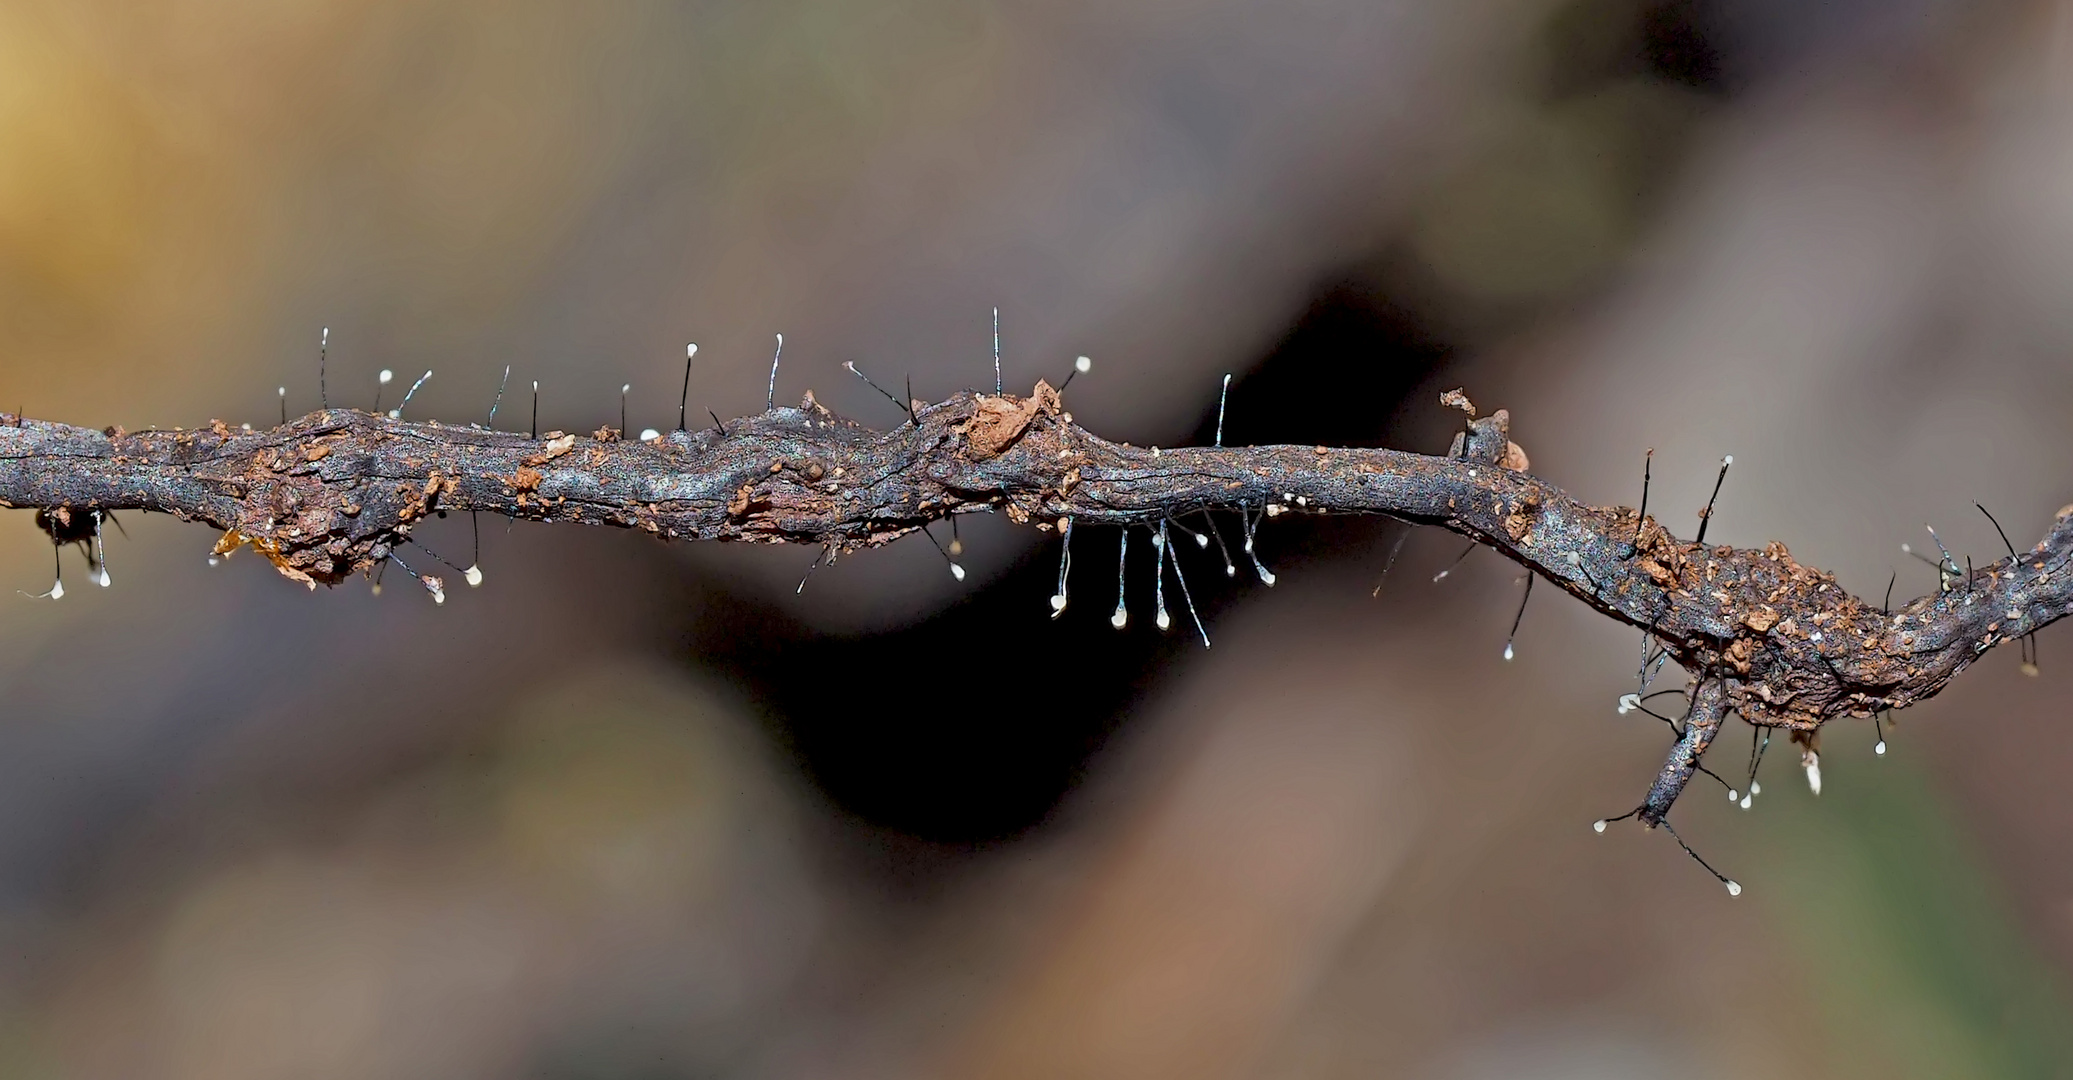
x=333, y=493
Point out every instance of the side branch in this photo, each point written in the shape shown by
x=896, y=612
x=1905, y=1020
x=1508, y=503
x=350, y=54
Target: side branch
x=331, y=494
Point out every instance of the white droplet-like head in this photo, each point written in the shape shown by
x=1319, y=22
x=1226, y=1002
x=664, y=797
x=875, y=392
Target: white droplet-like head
x=1811, y=761
x=1598, y=825
x=1745, y=802
x=1734, y=888
x=57, y=590
x=1906, y=550
x=1083, y=365
x=215, y=559
x=1879, y=748
x=101, y=576
x=625, y=387
x=957, y=571
x=1507, y=650
x=1164, y=620
x=1230, y=570
x=1728, y=460
x=436, y=587
x=473, y=575
x=1121, y=618
x=650, y=434
x=1755, y=788
x=690, y=350
x=1058, y=602
x=1734, y=796
x=1267, y=578
x=1629, y=702
x=385, y=377
x=1202, y=541
x=395, y=414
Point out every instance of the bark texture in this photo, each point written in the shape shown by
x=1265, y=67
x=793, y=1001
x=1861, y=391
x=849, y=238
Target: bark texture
x=333, y=493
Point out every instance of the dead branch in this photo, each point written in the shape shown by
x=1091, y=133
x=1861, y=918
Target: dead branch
x=333, y=493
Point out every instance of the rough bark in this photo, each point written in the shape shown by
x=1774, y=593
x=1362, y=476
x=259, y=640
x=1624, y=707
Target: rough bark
x=1709, y=708
x=332, y=493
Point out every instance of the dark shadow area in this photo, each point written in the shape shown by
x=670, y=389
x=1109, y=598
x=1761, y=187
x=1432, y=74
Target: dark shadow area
x=991, y=755
x=1676, y=47
x=1591, y=43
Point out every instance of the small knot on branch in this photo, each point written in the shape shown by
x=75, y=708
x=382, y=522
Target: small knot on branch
x=1488, y=438
x=998, y=420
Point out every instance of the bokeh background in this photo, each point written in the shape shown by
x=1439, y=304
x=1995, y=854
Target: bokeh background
x=640, y=811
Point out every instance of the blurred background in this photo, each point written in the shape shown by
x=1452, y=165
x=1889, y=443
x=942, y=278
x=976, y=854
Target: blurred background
x=642, y=811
